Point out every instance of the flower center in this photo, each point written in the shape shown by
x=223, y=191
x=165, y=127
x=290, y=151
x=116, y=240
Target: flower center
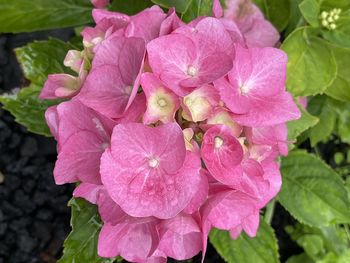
x=244, y=89
x=162, y=102
x=153, y=162
x=128, y=90
x=192, y=71
x=218, y=142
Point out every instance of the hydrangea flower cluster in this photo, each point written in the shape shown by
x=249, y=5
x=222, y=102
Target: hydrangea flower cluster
x=172, y=129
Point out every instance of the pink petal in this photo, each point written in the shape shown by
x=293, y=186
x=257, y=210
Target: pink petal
x=275, y=110
x=146, y=24
x=98, y=15
x=100, y=3
x=134, y=240
x=181, y=237
x=262, y=34
x=59, y=86
x=135, y=111
x=171, y=23
x=224, y=117
x=222, y=154
x=201, y=196
x=79, y=159
x=145, y=173
x=89, y=192
x=217, y=9
x=51, y=117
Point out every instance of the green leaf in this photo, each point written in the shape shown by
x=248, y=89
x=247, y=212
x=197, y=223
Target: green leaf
x=41, y=58
x=130, y=7
x=340, y=88
x=28, y=109
x=296, y=127
x=341, y=34
x=27, y=16
x=343, y=119
x=277, y=11
x=311, y=66
x=310, y=9
x=81, y=244
x=301, y=258
x=312, y=192
x=261, y=249
x=180, y=5
x=196, y=8
x=319, y=106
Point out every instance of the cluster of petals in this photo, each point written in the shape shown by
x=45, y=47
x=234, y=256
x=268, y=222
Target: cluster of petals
x=172, y=129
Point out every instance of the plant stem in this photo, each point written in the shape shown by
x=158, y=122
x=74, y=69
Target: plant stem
x=270, y=209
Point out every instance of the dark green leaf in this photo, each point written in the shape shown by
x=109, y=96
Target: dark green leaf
x=28, y=109
x=301, y=258
x=261, y=249
x=340, y=88
x=180, y=5
x=312, y=192
x=81, y=244
x=311, y=66
x=343, y=119
x=310, y=10
x=196, y=8
x=26, y=16
x=39, y=59
x=296, y=127
x=130, y=7
x=319, y=106
x=277, y=11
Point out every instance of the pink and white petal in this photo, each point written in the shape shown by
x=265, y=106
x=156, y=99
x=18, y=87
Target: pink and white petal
x=99, y=14
x=89, y=192
x=222, y=154
x=232, y=97
x=266, y=112
x=222, y=116
x=59, y=86
x=79, y=159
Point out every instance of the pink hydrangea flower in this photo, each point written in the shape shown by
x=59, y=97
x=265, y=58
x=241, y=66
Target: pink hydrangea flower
x=148, y=172
x=100, y=3
x=172, y=129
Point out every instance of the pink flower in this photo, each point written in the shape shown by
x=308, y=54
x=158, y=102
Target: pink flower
x=82, y=135
x=148, y=172
x=116, y=70
x=255, y=88
x=257, y=31
x=191, y=56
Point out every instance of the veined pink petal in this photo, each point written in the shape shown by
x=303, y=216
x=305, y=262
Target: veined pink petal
x=181, y=237
x=146, y=171
x=224, y=117
x=60, y=86
x=89, y=192
x=222, y=154
x=217, y=9
x=170, y=23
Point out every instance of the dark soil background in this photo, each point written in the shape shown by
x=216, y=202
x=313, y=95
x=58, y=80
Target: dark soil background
x=34, y=217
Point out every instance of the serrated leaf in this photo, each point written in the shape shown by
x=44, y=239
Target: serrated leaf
x=311, y=65
x=343, y=119
x=319, y=106
x=301, y=258
x=41, y=58
x=28, y=109
x=261, y=249
x=277, y=11
x=180, y=5
x=310, y=9
x=27, y=16
x=130, y=7
x=81, y=244
x=297, y=127
x=312, y=192
x=196, y=8
x=340, y=87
